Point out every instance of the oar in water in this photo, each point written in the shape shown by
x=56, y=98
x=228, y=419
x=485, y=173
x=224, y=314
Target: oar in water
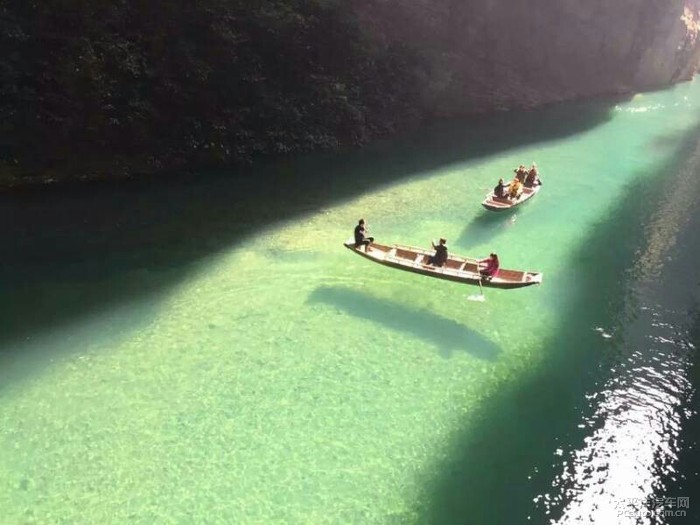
x=479, y=298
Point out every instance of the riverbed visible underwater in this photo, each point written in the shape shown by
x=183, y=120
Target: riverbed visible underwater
x=203, y=349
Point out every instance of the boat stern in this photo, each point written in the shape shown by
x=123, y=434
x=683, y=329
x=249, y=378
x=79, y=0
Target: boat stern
x=534, y=277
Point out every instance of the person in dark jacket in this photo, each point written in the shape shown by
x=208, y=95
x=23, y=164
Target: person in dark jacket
x=361, y=238
x=500, y=189
x=533, y=178
x=440, y=257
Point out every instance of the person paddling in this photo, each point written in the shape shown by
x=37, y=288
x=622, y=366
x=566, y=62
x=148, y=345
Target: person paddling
x=533, y=177
x=491, y=266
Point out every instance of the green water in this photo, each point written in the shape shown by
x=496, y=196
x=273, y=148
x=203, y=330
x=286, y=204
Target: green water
x=206, y=351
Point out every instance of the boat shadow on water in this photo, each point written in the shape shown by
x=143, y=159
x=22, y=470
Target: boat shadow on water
x=446, y=334
x=484, y=228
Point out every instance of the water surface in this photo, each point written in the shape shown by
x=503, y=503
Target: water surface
x=206, y=351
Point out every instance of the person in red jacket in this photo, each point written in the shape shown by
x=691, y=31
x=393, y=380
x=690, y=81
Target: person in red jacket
x=490, y=266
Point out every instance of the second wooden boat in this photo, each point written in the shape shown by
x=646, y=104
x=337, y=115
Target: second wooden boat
x=493, y=203
x=459, y=269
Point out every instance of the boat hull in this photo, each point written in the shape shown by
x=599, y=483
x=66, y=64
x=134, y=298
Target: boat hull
x=457, y=269
x=493, y=203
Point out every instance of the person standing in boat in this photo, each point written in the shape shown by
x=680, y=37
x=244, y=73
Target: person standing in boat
x=491, y=266
x=361, y=238
x=440, y=257
x=520, y=173
x=500, y=189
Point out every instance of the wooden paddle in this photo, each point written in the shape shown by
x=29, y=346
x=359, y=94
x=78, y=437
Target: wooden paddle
x=481, y=297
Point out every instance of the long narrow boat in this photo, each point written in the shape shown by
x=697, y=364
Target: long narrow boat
x=493, y=203
x=459, y=269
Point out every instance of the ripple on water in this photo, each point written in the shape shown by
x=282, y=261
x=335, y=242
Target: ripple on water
x=635, y=418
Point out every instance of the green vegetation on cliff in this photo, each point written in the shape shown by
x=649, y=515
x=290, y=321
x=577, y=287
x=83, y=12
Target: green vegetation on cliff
x=103, y=88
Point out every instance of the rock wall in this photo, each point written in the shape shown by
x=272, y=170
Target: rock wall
x=114, y=89
x=482, y=55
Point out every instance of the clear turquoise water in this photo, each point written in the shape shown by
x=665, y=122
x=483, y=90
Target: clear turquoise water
x=204, y=350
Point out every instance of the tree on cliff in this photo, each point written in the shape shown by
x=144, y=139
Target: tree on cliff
x=121, y=86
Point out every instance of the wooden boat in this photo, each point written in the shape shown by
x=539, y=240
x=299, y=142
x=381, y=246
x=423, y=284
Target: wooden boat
x=458, y=269
x=493, y=203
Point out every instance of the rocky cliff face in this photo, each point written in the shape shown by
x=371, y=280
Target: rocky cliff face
x=495, y=54
x=100, y=89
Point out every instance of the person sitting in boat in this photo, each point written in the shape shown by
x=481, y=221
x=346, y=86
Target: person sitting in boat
x=440, y=257
x=490, y=266
x=533, y=177
x=516, y=189
x=361, y=238
x=520, y=173
x=500, y=189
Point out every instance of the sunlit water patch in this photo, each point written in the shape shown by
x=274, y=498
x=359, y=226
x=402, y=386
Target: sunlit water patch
x=275, y=377
x=619, y=474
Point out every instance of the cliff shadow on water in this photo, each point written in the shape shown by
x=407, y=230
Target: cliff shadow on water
x=687, y=480
x=688, y=483
x=72, y=252
x=496, y=467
